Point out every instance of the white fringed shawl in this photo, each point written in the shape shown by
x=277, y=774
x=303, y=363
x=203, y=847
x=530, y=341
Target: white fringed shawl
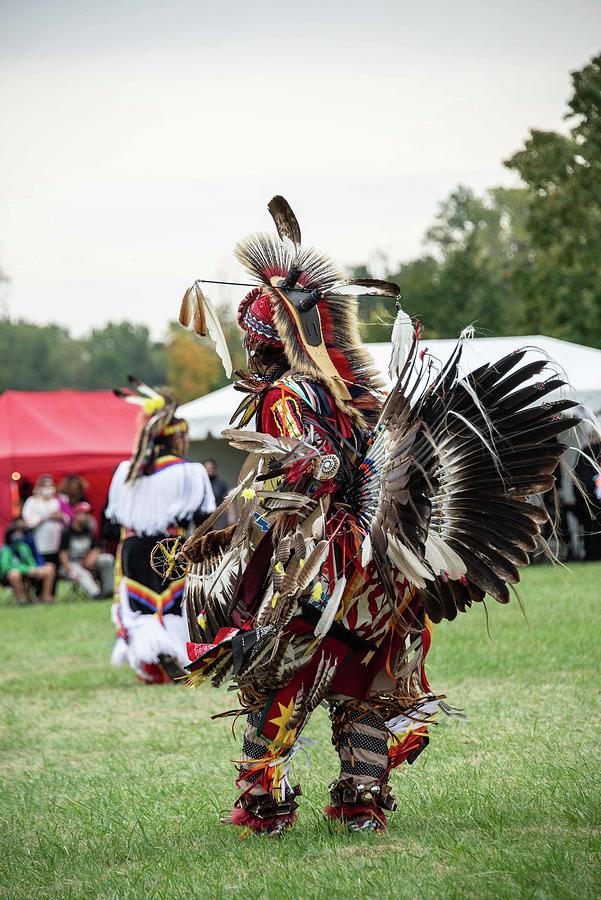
x=154, y=502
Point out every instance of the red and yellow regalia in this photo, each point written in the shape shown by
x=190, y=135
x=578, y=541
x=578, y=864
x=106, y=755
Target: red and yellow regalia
x=364, y=518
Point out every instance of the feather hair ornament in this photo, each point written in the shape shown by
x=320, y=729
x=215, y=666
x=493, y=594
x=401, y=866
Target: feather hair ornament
x=158, y=408
x=197, y=312
x=286, y=222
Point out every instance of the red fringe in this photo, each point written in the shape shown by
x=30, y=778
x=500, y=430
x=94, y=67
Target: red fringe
x=155, y=674
x=354, y=810
x=414, y=742
x=246, y=820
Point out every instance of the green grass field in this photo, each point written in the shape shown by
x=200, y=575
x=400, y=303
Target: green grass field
x=114, y=789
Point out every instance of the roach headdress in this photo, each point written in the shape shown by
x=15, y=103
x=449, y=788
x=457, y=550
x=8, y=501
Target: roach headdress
x=158, y=422
x=299, y=304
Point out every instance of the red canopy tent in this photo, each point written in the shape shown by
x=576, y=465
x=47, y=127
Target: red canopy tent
x=62, y=432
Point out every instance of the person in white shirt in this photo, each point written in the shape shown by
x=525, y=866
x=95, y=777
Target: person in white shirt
x=43, y=515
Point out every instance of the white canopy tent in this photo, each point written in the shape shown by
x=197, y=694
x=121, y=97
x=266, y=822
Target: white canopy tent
x=580, y=365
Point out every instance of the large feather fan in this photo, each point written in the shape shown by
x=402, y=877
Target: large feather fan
x=447, y=488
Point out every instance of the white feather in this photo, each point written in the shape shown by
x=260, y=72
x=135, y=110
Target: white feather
x=407, y=563
x=145, y=390
x=434, y=556
x=442, y=558
x=119, y=656
x=329, y=613
x=420, y=714
x=402, y=339
x=366, y=551
x=216, y=332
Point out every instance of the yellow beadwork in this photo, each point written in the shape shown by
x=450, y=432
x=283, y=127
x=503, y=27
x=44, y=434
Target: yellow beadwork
x=153, y=404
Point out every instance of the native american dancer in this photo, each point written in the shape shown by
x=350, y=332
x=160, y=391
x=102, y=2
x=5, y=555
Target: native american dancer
x=154, y=496
x=364, y=518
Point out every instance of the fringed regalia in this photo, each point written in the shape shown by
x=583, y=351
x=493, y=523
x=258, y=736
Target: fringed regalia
x=155, y=497
x=364, y=518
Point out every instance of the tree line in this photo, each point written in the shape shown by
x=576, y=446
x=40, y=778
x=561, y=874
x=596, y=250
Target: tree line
x=524, y=260
x=48, y=357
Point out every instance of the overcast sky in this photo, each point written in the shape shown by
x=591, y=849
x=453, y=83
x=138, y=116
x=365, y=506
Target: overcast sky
x=140, y=140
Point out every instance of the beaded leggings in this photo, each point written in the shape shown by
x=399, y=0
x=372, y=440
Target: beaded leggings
x=360, y=738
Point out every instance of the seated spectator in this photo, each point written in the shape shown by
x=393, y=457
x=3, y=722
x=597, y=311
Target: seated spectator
x=18, y=566
x=80, y=558
x=42, y=514
x=72, y=490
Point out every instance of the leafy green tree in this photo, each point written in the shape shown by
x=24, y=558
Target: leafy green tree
x=35, y=357
x=109, y=354
x=480, y=242
x=46, y=357
x=561, y=287
x=475, y=246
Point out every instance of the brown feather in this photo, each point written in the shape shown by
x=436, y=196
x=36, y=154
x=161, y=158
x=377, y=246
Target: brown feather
x=286, y=222
x=185, y=310
x=200, y=319
x=381, y=288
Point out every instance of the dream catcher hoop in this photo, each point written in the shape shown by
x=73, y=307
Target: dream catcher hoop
x=166, y=561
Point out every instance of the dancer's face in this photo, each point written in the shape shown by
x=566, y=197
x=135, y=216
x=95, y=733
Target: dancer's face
x=261, y=357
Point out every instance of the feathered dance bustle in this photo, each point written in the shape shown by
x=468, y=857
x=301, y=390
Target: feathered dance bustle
x=456, y=461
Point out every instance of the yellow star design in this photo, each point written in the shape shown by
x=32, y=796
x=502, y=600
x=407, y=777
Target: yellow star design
x=285, y=737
